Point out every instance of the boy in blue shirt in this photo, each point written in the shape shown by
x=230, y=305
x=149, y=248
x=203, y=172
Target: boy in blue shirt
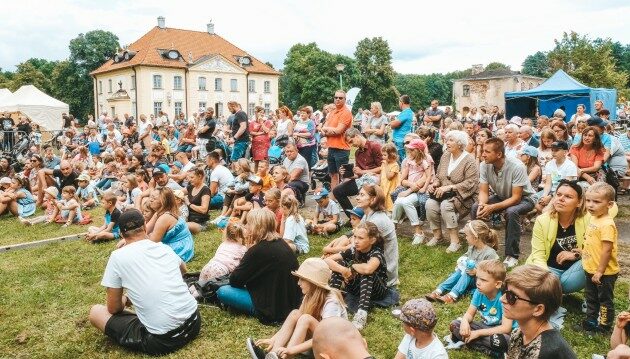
x=491, y=334
x=109, y=230
x=402, y=125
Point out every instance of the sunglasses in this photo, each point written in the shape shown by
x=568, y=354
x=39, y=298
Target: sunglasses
x=339, y=98
x=511, y=298
x=573, y=184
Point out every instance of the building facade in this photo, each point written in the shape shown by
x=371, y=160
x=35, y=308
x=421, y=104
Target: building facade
x=487, y=88
x=180, y=71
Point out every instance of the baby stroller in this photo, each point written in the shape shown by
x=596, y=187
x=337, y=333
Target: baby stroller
x=319, y=172
x=276, y=151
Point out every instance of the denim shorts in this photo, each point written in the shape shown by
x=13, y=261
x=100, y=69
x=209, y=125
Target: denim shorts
x=239, y=150
x=336, y=158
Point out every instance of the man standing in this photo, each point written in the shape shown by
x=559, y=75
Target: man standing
x=433, y=116
x=166, y=316
x=218, y=181
x=513, y=192
x=144, y=129
x=7, y=127
x=240, y=133
x=297, y=166
x=401, y=126
x=337, y=122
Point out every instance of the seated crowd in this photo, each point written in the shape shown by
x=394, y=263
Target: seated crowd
x=158, y=180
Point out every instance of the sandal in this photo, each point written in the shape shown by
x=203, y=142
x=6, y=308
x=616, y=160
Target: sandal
x=447, y=299
x=432, y=297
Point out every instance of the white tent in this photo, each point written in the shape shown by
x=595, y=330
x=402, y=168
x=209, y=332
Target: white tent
x=39, y=107
x=4, y=93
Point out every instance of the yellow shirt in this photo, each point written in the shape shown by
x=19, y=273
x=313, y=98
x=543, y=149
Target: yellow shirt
x=167, y=146
x=388, y=185
x=599, y=230
x=268, y=182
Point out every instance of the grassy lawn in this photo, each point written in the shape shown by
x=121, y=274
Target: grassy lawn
x=47, y=292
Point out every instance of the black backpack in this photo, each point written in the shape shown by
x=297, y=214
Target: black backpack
x=207, y=291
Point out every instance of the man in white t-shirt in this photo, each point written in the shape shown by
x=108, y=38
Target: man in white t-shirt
x=419, y=342
x=166, y=316
x=220, y=179
x=557, y=169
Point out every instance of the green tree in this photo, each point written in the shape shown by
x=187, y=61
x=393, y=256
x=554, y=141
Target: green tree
x=68, y=85
x=376, y=74
x=87, y=52
x=497, y=66
x=27, y=74
x=536, y=65
x=589, y=62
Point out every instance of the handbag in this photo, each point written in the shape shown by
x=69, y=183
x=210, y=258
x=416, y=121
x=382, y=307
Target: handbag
x=446, y=195
x=207, y=291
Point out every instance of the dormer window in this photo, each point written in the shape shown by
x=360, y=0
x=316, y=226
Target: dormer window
x=124, y=56
x=244, y=60
x=170, y=54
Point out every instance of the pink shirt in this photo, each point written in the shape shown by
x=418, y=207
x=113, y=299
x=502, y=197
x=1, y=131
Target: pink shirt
x=229, y=254
x=415, y=171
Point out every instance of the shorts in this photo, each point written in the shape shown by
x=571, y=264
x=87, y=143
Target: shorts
x=127, y=330
x=239, y=150
x=337, y=225
x=336, y=158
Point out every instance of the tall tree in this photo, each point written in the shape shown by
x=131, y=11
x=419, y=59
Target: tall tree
x=536, y=65
x=87, y=52
x=589, y=62
x=27, y=74
x=376, y=74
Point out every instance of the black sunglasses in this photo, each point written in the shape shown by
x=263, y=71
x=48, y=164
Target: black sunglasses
x=339, y=98
x=573, y=184
x=511, y=298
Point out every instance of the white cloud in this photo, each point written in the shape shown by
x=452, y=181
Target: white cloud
x=425, y=37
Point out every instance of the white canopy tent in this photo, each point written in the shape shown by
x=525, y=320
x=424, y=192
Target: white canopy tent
x=4, y=93
x=39, y=107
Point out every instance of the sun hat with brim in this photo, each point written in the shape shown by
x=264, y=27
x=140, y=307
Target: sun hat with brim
x=531, y=151
x=596, y=121
x=84, y=177
x=53, y=191
x=315, y=271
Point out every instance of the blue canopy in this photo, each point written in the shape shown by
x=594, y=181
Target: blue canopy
x=558, y=91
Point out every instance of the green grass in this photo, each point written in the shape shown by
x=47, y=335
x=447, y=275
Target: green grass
x=46, y=294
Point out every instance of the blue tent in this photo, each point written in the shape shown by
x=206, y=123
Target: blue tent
x=558, y=90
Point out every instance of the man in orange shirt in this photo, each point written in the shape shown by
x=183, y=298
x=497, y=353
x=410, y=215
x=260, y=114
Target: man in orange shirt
x=337, y=122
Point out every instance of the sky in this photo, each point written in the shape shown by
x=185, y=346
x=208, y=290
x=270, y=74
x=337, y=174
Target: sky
x=425, y=37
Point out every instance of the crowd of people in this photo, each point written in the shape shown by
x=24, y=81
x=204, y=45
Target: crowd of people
x=466, y=174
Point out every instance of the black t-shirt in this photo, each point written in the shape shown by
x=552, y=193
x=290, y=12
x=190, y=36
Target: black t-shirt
x=24, y=127
x=565, y=241
x=548, y=345
x=212, y=125
x=351, y=256
x=71, y=180
x=194, y=216
x=115, y=217
x=240, y=117
x=435, y=150
x=256, y=198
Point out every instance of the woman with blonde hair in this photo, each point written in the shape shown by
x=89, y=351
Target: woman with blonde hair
x=377, y=123
x=262, y=285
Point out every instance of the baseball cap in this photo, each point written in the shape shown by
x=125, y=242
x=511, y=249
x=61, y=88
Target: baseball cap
x=596, y=121
x=560, y=145
x=417, y=144
x=255, y=179
x=161, y=169
x=130, y=219
x=84, y=177
x=516, y=120
x=357, y=212
x=178, y=164
x=320, y=194
x=417, y=313
x=5, y=180
x=531, y=151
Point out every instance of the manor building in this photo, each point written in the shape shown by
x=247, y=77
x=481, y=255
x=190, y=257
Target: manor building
x=180, y=71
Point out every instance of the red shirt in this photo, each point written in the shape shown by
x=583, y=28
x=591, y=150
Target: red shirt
x=370, y=156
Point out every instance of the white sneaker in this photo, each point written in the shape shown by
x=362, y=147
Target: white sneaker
x=433, y=242
x=216, y=220
x=450, y=344
x=453, y=247
x=510, y=262
x=584, y=307
x=360, y=319
x=418, y=239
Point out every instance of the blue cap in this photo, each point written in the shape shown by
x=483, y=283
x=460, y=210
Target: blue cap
x=178, y=164
x=320, y=194
x=531, y=151
x=357, y=212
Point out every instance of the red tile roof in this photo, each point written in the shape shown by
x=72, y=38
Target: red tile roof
x=196, y=43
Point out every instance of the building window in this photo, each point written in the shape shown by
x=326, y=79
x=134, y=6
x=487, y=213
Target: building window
x=466, y=91
x=113, y=109
x=178, y=108
x=177, y=83
x=202, y=105
x=202, y=84
x=250, y=109
x=109, y=86
x=267, y=109
x=234, y=85
x=100, y=87
x=267, y=86
x=220, y=109
x=218, y=84
x=134, y=109
x=133, y=83
x=251, y=86
x=157, y=82
x=157, y=108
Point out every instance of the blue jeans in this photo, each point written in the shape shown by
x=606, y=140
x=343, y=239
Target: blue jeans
x=237, y=298
x=105, y=183
x=185, y=148
x=216, y=202
x=573, y=279
x=238, y=150
x=457, y=283
x=400, y=146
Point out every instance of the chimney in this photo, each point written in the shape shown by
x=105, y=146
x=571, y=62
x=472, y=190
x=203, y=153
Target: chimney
x=210, y=27
x=161, y=22
x=476, y=69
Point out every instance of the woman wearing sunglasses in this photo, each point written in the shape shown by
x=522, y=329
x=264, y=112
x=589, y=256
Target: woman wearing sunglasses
x=558, y=236
x=532, y=294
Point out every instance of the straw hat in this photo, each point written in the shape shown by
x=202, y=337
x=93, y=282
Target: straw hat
x=316, y=271
x=53, y=191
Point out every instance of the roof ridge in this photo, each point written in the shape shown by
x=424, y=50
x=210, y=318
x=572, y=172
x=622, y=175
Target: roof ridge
x=149, y=41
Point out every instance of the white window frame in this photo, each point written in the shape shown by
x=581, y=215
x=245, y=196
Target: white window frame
x=220, y=109
x=177, y=82
x=201, y=83
x=157, y=107
x=203, y=104
x=234, y=85
x=466, y=90
x=100, y=87
x=267, y=86
x=178, y=108
x=251, y=86
x=133, y=83
x=157, y=82
x=218, y=84
x=109, y=86
x=250, y=109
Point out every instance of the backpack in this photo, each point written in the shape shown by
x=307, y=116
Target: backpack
x=207, y=291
